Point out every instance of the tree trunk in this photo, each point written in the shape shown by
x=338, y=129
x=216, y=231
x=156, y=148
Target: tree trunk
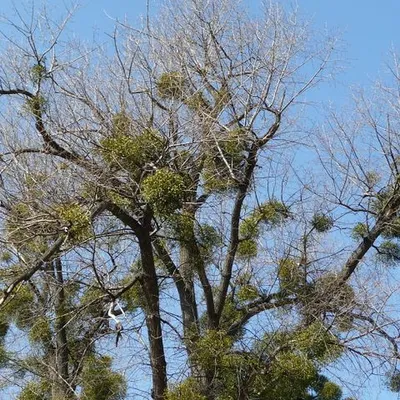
x=149, y=284
x=61, y=388
x=191, y=262
x=153, y=320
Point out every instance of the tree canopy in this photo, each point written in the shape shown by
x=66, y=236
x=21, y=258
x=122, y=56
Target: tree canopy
x=161, y=217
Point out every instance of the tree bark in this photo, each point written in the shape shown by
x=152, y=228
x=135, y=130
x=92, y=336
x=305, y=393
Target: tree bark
x=150, y=288
x=61, y=388
x=149, y=284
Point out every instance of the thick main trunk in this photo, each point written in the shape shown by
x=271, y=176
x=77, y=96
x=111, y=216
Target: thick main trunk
x=153, y=319
x=61, y=388
x=149, y=284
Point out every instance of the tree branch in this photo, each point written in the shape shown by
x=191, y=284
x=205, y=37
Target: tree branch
x=52, y=252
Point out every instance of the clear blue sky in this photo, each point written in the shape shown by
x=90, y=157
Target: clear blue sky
x=369, y=28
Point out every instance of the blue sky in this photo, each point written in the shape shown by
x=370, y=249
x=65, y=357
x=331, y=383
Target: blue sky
x=369, y=29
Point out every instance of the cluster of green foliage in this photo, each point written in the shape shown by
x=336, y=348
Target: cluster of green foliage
x=284, y=365
x=382, y=198
x=394, y=381
x=129, y=150
x=165, y=190
x=230, y=315
x=76, y=218
x=40, y=331
x=188, y=390
x=36, y=105
x=36, y=391
x=389, y=252
x=216, y=180
x=247, y=292
x=322, y=222
x=359, y=231
x=291, y=274
x=211, y=348
x=326, y=390
x=38, y=72
x=273, y=212
x=294, y=371
x=21, y=309
x=26, y=237
x=35, y=236
x=99, y=382
x=221, y=98
x=392, y=230
x=4, y=327
x=91, y=298
x=132, y=298
x=247, y=248
x=270, y=213
x=196, y=102
x=182, y=225
x=118, y=199
x=171, y=85
x=121, y=124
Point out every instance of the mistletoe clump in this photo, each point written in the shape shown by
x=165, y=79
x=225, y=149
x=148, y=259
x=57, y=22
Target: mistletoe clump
x=99, y=382
x=330, y=391
x=322, y=222
x=293, y=360
x=290, y=274
x=165, y=190
x=221, y=98
x=247, y=293
x=217, y=180
x=394, y=381
x=181, y=225
x=326, y=298
x=19, y=309
x=188, y=390
x=171, y=85
x=36, y=105
x=389, y=252
x=272, y=212
x=247, y=248
x=208, y=239
x=131, y=152
x=392, y=230
x=35, y=391
x=121, y=124
x=269, y=213
x=196, y=102
x=40, y=331
x=211, y=348
x=359, y=231
x=76, y=218
x=38, y=72
x=317, y=343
